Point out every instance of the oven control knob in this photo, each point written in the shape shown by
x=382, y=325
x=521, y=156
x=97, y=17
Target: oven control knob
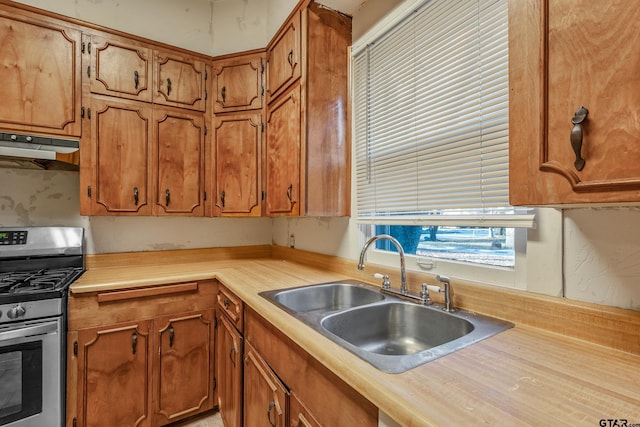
x=15, y=312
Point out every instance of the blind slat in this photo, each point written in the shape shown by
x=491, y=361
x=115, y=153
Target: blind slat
x=431, y=111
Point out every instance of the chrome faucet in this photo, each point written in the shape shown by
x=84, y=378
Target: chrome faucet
x=403, y=274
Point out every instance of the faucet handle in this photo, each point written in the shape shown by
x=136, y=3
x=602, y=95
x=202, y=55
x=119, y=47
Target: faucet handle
x=424, y=295
x=385, y=280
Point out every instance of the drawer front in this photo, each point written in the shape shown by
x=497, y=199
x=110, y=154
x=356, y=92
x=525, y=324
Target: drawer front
x=231, y=305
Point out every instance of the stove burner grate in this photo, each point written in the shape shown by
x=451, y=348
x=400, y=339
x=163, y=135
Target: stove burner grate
x=36, y=281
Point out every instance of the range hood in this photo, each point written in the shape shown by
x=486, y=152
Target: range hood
x=38, y=152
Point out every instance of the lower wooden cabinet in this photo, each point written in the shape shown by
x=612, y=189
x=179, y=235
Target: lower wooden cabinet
x=299, y=415
x=114, y=375
x=229, y=371
x=316, y=396
x=266, y=399
x=183, y=365
x=149, y=372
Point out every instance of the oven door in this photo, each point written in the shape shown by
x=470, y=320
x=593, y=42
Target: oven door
x=31, y=374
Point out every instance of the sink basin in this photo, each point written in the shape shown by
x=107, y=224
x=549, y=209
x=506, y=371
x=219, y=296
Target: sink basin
x=327, y=297
x=391, y=334
x=396, y=328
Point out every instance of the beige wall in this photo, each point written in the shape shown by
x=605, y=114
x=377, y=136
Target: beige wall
x=598, y=256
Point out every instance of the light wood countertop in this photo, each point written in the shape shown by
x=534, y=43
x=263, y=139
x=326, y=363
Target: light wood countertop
x=524, y=376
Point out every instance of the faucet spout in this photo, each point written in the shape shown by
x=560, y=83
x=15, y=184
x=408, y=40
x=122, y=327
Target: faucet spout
x=403, y=274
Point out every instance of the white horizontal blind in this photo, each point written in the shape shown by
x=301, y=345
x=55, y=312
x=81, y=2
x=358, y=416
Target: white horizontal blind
x=431, y=114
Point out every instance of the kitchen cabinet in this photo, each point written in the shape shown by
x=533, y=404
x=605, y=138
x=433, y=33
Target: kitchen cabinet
x=238, y=148
x=229, y=350
x=115, y=174
x=284, y=57
x=179, y=80
x=238, y=83
x=118, y=67
x=308, y=117
x=139, y=160
x=145, y=131
x=132, y=69
x=179, y=138
x=299, y=415
x=133, y=353
x=565, y=55
x=282, y=176
x=115, y=375
x=315, y=392
x=40, y=73
x=265, y=397
x=181, y=354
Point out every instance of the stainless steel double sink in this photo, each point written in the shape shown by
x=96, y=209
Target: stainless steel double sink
x=388, y=332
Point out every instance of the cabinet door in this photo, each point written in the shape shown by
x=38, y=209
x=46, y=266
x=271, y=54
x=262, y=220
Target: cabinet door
x=114, y=375
x=179, y=162
x=119, y=144
x=284, y=58
x=237, y=139
x=299, y=415
x=265, y=397
x=229, y=372
x=183, y=366
x=237, y=84
x=588, y=57
x=119, y=67
x=283, y=155
x=179, y=80
x=40, y=75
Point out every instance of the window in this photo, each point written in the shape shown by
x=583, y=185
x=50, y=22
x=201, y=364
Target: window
x=431, y=132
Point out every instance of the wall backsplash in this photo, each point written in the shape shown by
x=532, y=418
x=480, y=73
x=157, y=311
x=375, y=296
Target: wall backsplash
x=45, y=198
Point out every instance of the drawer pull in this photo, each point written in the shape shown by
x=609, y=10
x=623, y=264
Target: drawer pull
x=272, y=405
x=171, y=336
x=134, y=342
x=576, y=136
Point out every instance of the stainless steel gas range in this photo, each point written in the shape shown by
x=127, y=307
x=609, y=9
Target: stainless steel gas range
x=37, y=266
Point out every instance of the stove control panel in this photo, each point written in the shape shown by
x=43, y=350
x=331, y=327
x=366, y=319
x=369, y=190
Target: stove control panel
x=13, y=237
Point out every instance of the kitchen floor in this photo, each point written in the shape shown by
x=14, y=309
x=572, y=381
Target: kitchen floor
x=210, y=420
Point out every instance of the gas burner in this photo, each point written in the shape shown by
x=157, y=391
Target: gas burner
x=37, y=281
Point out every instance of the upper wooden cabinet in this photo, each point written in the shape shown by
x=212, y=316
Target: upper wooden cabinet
x=238, y=146
x=179, y=139
x=179, y=80
x=308, y=121
x=282, y=177
x=565, y=55
x=118, y=67
x=284, y=55
x=131, y=69
x=40, y=74
x=115, y=175
x=238, y=83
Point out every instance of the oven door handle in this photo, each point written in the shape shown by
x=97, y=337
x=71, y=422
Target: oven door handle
x=29, y=331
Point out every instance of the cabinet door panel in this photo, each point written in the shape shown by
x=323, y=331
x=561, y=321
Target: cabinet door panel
x=185, y=347
x=238, y=138
x=179, y=162
x=120, y=133
x=114, y=375
x=265, y=397
x=563, y=55
x=283, y=155
x=229, y=372
x=179, y=81
x=120, y=69
x=40, y=75
x=238, y=84
x=284, y=56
